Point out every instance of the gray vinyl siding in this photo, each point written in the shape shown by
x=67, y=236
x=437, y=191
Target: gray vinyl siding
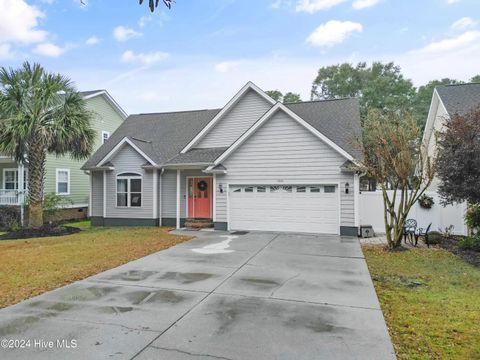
x=281, y=152
x=242, y=116
x=129, y=160
x=169, y=192
x=97, y=194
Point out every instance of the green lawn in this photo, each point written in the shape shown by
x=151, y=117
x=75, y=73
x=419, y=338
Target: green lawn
x=431, y=302
x=33, y=266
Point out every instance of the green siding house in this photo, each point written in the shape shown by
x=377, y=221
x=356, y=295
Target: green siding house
x=63, y=175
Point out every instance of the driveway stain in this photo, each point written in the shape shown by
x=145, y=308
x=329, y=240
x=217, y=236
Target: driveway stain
x=133, y=275
x=261, y=282
x=117, y=310
x=163, y=296
x=85, y=294
x=185, y=278
x=18, y=326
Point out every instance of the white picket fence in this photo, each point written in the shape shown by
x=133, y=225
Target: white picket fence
x=371, y=213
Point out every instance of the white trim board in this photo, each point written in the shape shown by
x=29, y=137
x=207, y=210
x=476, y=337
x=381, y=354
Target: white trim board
x=249, y=86
x=56, y=181
x=117, y=147
x=267, y=116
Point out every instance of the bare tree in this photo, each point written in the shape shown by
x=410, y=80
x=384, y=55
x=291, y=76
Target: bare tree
x=394, y=155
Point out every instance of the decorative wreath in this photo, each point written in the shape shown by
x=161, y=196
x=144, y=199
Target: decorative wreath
x=202, y=185
x=426, y=201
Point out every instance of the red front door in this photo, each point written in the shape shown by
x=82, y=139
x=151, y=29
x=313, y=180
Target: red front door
x=200, y=197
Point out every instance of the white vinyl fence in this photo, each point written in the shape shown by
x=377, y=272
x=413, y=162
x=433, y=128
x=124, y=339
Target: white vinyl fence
x=371, y=213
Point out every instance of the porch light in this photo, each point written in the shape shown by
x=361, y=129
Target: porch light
x=220, y=188
x=347, y=186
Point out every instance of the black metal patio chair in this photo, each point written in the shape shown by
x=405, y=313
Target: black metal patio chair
x=409, y=230
x=421, y=232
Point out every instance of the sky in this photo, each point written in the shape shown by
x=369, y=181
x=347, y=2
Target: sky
x=199, y=53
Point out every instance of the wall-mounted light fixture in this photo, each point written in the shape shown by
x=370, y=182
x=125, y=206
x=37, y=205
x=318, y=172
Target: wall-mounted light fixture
x=347, y=186
x=220, y=188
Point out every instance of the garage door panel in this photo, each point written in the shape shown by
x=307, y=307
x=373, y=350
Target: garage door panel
x=284, y=208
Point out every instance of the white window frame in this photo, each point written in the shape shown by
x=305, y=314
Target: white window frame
x=128, y=178
x=103, y=136
x=57, y=182
x=25, y=178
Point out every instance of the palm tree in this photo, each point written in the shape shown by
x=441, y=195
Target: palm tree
x=152, y=4
x=41, y=113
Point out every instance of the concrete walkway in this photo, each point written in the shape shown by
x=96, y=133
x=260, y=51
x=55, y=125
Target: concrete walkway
x=219, y=296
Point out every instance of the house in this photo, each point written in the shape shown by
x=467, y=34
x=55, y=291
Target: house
x=447, y=101
x=252, y=165
x=63, y=175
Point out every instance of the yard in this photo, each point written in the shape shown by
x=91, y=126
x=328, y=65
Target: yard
x=31, y=267
x=430, y=299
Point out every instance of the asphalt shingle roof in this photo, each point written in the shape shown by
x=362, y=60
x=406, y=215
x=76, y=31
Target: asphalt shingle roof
x=460, y=99
x=163, y=135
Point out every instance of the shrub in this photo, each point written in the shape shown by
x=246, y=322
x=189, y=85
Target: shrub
x=9, y=218
x=52, y=205
x=472, y=216
x=470, y=243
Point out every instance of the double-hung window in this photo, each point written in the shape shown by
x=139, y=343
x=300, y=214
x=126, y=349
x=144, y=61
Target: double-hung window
x=105, y=136
x=129, y=190
x=63, y=181
x=10, y=179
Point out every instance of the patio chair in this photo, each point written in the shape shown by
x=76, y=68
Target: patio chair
x=409, y=229
x=424, y=233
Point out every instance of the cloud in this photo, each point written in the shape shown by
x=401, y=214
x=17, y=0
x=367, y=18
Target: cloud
x=49, y=50
x=5, y=51
x=363, y=4
x=93, y=40
x=333, y=32
x=144, y=58
x=312, y=6
x=450, y=2
x=226, y=66
x=463, y=23
x=144, y=20
x=122, y=33
x=19, y=22
x=469, y=38
x=277, y=4
x=153, y=96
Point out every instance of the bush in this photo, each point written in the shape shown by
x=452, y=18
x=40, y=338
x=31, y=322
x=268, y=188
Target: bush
x=470, y=243
x=52, y=205
x=10, y=218
x=472, y=216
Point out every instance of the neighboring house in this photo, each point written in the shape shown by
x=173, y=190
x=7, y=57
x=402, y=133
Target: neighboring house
x=63, y=175
x=253, y=165
x=447, y=101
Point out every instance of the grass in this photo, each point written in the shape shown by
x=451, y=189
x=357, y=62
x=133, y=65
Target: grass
x=31, y=267
x=431, y=302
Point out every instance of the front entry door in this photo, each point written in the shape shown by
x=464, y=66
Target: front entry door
x=200, y=197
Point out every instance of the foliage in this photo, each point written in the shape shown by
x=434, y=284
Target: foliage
x=287, y=98
x=475, y=79
x=447, y=231
x=426, y=201
x=32, y=267
x=53, y=204
x=437, y=320
x=41, y=113
x=9, y=218
x=393, y=154
x=472, y=217
x=470, y=243
x=459, y=159
x=153, y=4
x=379, y=86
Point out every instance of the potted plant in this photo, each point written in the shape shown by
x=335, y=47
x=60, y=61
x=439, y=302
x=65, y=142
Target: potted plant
x=426, y=201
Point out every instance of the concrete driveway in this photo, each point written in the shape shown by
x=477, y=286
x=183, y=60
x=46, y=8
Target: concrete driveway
x=219, y=296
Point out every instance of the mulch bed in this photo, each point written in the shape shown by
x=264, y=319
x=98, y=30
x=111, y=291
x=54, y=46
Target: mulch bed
x=470, y=256
x=45, y=231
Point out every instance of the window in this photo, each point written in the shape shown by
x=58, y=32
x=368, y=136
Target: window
x=237, y=190
x=329, y=189
x=301, y=189
x=261, y=189
x=129, y=190
x=105, y=136
x=314, y=189
x=63, y=181
x=10, y=179
x=249, y=189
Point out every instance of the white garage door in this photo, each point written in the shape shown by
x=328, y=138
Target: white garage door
x=309, y=208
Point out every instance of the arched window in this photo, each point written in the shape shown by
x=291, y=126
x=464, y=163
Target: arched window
x=129, y=190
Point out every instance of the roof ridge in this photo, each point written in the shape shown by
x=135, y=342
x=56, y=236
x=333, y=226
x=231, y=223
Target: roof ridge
x=174, y=112
x=464, y=84
x=322, y=100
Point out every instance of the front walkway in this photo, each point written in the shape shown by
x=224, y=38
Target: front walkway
x=219, y=296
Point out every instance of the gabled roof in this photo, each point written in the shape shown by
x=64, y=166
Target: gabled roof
x=160, y=135
x=198, y=156
x=459, y=98
x=250, y=86
x=94, y=93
